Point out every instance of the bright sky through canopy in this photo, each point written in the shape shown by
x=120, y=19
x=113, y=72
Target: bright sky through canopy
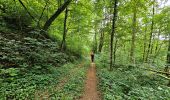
x=162, y=4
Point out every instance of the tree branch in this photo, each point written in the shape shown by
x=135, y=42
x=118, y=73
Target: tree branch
x=160, y=72
x=55, y=15
x=27, y=10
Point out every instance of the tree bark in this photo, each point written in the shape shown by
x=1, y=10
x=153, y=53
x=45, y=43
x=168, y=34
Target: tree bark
x=156, y=52
x=157, y=42
x=167, y=70
x=168, y=54
x=95, y=41
x=151, y=33
x=144, y=45
x=63, y=43
x=114, y=52
x=132, y=58
x=101, y=40
x=113, y=32
x=55, y=15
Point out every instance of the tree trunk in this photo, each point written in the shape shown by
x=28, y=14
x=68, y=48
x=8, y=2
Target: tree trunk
x=157, y=42
x=114, y=52
x=38, y=23
x=113, y=32
x=132, y=58
x=168, y=54
x=144, y=45
x=27, y=10
x=63, y=43
x=167, y=70
x=156, y=52
x=55, y=15
x=95, y=41
x=151, y=33
x=102, y=32
x=101, y=41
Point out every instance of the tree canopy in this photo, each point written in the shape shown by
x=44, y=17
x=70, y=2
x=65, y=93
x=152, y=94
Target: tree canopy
x=126, y=36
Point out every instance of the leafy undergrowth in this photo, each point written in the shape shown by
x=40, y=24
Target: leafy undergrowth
x=29, y=63
x=131, y=84
x=73, y=89
x=25, y=86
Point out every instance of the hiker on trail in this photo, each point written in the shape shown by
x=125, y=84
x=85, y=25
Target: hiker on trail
x=92, y=56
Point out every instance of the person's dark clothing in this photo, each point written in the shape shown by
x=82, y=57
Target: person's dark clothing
x=92, y=57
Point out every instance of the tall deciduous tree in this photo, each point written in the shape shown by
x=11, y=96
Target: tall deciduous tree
x=101, y=41
x=145, y=43
x=113, y=33
x=168, y=54
x=63, y=43
x=132, y=58
x=151, y=33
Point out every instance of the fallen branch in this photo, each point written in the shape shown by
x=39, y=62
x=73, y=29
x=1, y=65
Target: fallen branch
x=163, y=76
x=161, y=72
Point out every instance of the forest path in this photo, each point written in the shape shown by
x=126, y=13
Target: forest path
x=90, y=90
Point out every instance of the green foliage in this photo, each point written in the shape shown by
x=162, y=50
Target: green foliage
x=25, y=87
x=29, y=62
x=14, y=15
x=30, y=52
x=10, y=72
x=102, y=60
x=131, y=84
x=73, y=88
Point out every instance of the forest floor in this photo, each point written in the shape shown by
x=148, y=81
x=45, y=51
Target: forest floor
x=47, y=94
x=90, y=89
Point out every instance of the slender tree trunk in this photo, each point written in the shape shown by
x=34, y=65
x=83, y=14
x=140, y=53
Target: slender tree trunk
x=38, y=23
x=152, y=45
x=101, y=40
x=63, y=43
x=95, y=41
x=27, y=10
x=167, y=70
x=157, y=43
x=132, y=58
x=151, y=33
x=102, y=32
x=113, y=32
x=168, y=54
x=144, y=45
x=114, y=52
x=156, y=52
x=55, y=15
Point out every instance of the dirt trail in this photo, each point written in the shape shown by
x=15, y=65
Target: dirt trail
x=90, y=90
